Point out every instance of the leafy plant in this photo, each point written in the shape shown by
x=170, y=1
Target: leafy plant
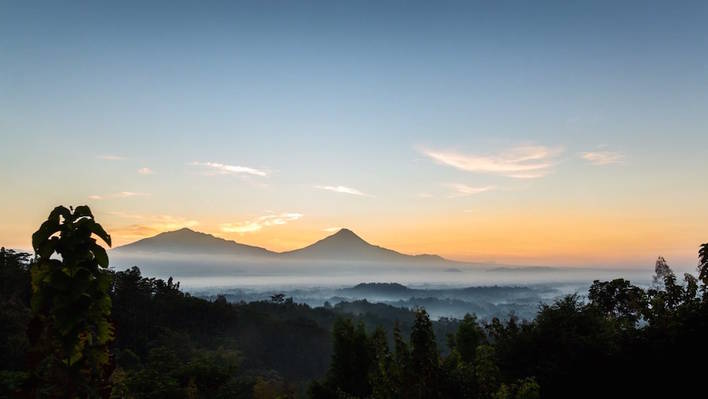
x=70, y=329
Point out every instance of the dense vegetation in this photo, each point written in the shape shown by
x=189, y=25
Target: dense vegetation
x=168, y=343
x=605, y=346
x=164, y=343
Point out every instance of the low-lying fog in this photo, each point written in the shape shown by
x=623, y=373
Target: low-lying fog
x=451, y=290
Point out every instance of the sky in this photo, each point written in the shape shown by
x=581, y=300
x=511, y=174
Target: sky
x=533, y=133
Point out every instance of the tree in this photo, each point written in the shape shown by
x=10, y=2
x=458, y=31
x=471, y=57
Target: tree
x=469, y=336
x=352, y=359
x=13, y=274
x=486, y=371
x=703, y=269
x=662, y=272
x=381, y=376
x=690, y=289
x=618, y=299
x=70, y=329
x=400, y=372
x=424, y=359
x=665, y=295
x=14, y=316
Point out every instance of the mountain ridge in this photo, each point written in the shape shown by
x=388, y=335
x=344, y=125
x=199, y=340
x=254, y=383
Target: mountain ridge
x=343, y=245
x=346, y=242
x=186, y=240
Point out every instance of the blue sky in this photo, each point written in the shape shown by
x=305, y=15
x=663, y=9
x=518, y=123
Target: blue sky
x=606, y=101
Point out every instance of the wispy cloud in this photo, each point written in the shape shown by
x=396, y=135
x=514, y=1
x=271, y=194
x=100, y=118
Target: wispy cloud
x=463, y=190
x=166, y=221
x=121, y=194
x=259, y=223
x=343, y=190
x=601, y=158
x=109, y=157
x=523, y=162
x=146, y=171
x=332, y=229
x=128, y=194
x=215, y=168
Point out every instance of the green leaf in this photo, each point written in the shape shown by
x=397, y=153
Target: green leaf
x=57, y=212
x=100, y=255
x=46, y=230
x=83, y=211
x=99, y=231
x=47, y=248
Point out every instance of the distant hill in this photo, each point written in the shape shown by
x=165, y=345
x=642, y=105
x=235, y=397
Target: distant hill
x=375, y=289
x=189, y=242
x=399, y=291
x=344, y=245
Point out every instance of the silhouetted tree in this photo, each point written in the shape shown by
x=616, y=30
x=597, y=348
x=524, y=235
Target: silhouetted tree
x=14, y=316
x=662, y=271
x=382, y=378
x=70, y=329
x=14, y=275
x=468, y=337
x=401, y=369
x=351, y=359
x=486, y=371
x=619, y=300
x=665, y=294
x=703, y=269
x=424, y=357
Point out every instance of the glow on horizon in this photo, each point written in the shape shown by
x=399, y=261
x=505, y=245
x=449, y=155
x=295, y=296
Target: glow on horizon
x=512, y=237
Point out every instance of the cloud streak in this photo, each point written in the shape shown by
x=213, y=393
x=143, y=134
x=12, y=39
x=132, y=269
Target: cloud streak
x=215, y=168
x=523, y=162
x=463, y=190
x=121, y=194
x=109, y=157
x=343, y=190
x=146, y=171
x=250, y=226
x=602, y=158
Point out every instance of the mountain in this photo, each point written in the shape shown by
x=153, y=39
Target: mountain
x=378, y=289
x=344, y=245
x=189, y=242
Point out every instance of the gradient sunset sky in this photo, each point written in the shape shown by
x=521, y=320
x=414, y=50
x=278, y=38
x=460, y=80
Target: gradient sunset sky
x=544, y=133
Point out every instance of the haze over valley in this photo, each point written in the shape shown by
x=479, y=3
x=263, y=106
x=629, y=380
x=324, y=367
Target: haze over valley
x=343, y=267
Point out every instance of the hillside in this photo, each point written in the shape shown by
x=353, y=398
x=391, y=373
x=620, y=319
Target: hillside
x=189, y=242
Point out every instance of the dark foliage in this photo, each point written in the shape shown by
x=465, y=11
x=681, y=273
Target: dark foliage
x=605, y=346
x=70, y=328
x=170, y=344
